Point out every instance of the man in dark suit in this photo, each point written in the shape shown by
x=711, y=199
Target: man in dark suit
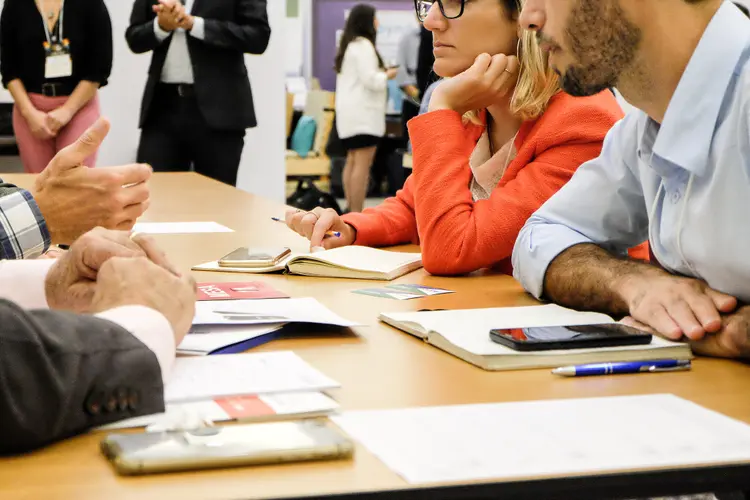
x=198, y=102
x=62, y=373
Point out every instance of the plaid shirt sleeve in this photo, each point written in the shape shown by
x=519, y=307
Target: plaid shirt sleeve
x=23, y=230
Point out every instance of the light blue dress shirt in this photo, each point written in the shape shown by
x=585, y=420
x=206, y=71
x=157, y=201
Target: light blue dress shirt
x=684, y=184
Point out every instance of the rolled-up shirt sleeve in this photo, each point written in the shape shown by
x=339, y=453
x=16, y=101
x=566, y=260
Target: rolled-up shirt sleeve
x=602, y=204
x=23, y=230
x=150, y=327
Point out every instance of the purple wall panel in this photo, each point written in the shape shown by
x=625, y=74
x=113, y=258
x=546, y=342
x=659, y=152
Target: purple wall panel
x=328, y=17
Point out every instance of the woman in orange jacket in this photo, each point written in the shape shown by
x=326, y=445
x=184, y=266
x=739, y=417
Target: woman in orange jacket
x=500, y=138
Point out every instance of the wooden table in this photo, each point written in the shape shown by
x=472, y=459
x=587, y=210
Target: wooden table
x=378, y=367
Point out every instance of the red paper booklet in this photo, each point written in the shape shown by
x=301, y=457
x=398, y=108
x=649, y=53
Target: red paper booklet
x=238, y=291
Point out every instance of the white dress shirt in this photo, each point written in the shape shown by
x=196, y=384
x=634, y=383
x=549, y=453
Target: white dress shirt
x=178, y=68
x=23, y=282
x=682, y=184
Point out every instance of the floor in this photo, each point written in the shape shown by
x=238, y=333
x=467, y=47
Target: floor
x=10, y=165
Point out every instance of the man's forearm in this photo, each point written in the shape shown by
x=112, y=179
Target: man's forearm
x=588, y=277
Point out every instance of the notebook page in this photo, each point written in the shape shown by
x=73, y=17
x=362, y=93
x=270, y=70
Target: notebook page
x=548, y=438
x=365, y=258
x=194, y=379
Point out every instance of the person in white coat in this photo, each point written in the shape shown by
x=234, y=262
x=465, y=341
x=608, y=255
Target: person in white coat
x=361, y=95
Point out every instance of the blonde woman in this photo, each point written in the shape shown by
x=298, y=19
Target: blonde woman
x=498, y=141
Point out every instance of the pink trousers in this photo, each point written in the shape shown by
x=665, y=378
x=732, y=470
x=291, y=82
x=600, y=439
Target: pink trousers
x=37, y=153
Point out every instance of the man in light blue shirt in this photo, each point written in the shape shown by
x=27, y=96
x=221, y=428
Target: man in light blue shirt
x=676, y=173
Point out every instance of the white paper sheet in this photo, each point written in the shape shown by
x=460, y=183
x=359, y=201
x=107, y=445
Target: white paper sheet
x=266, y=311
x=548, y=438
x=180, y=227
x=200, y=378
x=218, y=337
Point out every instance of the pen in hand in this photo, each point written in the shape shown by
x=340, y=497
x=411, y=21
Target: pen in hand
x=334, y=234
x=655, y=366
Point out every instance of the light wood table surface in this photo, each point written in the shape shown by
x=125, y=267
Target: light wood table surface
x=378, y=367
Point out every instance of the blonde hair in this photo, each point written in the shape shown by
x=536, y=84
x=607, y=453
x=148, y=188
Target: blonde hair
x=537, y=82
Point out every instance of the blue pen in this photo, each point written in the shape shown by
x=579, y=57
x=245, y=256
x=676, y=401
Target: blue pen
x=656, y=366
x=335, y=234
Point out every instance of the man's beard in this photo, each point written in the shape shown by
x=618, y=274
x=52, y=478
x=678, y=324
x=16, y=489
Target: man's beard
x=603, y=42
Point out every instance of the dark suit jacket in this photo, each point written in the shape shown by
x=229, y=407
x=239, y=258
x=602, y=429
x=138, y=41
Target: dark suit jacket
x=6, y=189
x=222, y=87
x=61, y=374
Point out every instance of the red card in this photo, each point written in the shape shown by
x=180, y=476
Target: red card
x=234, y=291
x=245, y=407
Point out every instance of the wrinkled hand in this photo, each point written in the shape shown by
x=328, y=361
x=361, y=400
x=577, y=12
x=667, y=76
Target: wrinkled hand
x=75, y=199
x=315, y=224
x=58, y=118
x=71, y=281
x=39, y=125
x=732, y=341
x=675, y=306
x=138, y=281
x=486, y=82
x=170, y=14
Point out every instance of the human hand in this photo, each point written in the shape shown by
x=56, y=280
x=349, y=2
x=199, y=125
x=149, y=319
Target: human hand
x=170, y=14
x=39, y=124
x=316, y=224
x=70, y=282
x=486, y=82
x=139, y=282
x=391, y=73
x=75, y=199
x=59, y=118
x=731, y=341
x=675, y=306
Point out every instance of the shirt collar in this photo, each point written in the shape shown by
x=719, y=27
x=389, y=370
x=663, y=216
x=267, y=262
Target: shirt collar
x=686, y=133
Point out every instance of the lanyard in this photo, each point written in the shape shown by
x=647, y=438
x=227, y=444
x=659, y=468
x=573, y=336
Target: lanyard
x=59, y=21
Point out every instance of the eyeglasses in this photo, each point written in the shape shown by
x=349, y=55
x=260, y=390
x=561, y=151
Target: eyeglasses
x=451, y=9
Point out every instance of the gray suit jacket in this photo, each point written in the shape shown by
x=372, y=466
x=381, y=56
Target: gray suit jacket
x=61, y=374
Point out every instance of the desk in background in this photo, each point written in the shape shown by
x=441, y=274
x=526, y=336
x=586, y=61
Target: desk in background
x=379, y=368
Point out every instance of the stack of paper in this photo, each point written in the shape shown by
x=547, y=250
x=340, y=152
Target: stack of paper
x=201, y=379
x=232, y=326
x=263, y=408
x=543, y=439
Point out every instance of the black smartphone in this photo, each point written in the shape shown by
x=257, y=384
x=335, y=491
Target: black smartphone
x=550, y=338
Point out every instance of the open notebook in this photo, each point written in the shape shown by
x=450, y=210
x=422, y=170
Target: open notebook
x=466, y=334
x=345, y=262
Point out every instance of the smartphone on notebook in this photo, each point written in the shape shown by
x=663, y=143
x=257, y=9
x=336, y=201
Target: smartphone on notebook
x=229, y=446
x=551, y=338
x=254, y=257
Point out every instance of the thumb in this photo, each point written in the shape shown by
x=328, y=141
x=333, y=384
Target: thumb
x=86, y=145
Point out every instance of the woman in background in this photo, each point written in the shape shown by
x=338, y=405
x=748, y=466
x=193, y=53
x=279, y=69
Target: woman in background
x=361, y=94
x=499, y=140
x=54, y=56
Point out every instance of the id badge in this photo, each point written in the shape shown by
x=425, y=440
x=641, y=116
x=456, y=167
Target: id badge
x=58, y=63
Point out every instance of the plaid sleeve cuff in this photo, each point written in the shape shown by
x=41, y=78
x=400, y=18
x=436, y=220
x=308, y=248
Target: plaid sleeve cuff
x=23, y=230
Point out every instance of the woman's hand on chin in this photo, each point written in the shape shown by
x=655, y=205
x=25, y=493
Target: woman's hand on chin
x=486, y=82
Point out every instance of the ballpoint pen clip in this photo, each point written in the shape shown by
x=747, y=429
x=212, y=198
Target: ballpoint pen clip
x=681, y=368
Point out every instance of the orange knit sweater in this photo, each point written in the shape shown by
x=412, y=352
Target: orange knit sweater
x=435, y=208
